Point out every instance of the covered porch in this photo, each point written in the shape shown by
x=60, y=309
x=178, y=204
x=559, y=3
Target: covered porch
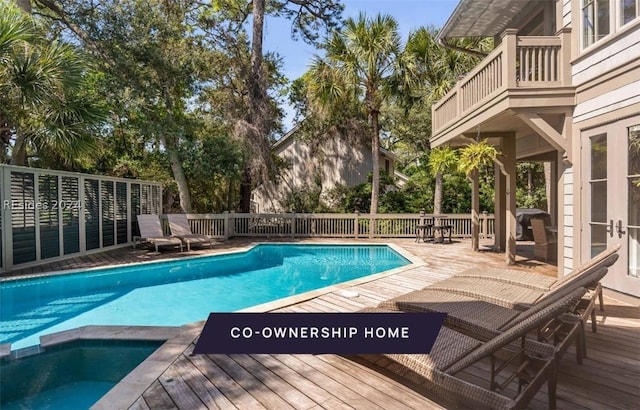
x=520, y=98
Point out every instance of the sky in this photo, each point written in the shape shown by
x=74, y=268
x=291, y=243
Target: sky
x=297, y=55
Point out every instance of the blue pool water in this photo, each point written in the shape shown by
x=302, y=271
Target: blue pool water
x=181, y=291
x=69, y=376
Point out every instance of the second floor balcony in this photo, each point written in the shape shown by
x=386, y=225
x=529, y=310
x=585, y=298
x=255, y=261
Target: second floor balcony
x=521, y=73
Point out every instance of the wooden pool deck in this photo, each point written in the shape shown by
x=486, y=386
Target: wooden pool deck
x=608, y=378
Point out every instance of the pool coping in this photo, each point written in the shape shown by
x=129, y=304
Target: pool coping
x=132, y=387
x=92, y=332
x=238, y=250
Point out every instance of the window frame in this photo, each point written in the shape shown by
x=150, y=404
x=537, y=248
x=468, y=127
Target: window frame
x=616, y=22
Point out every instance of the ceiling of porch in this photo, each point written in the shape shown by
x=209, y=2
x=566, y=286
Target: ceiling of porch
x=482, y=18
x=528, y=143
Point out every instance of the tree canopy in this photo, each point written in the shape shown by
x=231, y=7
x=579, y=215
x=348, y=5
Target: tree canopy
x=182, y=92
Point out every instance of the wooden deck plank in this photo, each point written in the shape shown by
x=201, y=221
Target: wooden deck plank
x=157, y=397
x=140, y=404
x=310, y=389
x=179, y=391
x=250, y=383
x=296, y=398
x=299, y=363
x=207, y=392
x=348, y=379
x=232, y=390
x=369, y=377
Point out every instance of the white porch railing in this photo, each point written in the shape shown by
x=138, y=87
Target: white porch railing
x=293, y=225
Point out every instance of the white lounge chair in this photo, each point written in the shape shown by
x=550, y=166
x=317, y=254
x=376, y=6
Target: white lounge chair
x=151, y=231
x=180, y=228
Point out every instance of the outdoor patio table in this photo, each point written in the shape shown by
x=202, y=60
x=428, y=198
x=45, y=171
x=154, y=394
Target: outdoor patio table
x=423, y=232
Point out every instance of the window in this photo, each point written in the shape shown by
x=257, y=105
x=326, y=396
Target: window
x=598, y=183
x=628, y=11
x=598, y=20
x=633, y=224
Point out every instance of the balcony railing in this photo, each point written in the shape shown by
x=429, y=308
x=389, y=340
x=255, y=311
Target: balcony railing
x=517, y=63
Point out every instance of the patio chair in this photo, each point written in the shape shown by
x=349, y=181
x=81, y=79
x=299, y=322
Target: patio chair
x=529, y=363
x=151, y=231
x=545, y=245
x=180, y=228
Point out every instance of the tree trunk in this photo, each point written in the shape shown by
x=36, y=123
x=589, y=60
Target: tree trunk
x=437, y=194
x=375, y=168
x=19, y=151
x=255, y=98
x=170, y=144
x=245, y=191
x=255, y=80
x=530, y=185
x=24, y=5
x=375, y=162
x=178, y=174
x=475, y=211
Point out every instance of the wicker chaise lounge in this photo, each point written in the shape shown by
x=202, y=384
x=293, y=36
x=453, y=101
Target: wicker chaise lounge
x=520, y=290
x=485, y=320
x=536, y=280
x=527, y=363
x=180, y=228
x=151, y=231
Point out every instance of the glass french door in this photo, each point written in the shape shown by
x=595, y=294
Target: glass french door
x=612, y=199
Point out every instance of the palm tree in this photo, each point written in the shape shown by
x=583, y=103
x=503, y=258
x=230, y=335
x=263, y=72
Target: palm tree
x=437, y=67
x=362, y=61
x=473, y=157
x=43, y=106
x=441, y=160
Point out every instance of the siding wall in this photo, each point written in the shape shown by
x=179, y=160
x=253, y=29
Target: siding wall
x=568, y=220
x=336, y=162
x=618, y=98
x=607, y=80
x=623, y=48
x=566, y=13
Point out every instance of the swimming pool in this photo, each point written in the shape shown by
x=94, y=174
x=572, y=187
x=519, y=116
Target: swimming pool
x=182, y=291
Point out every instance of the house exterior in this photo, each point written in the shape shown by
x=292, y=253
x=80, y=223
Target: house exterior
x=561, y=86
x=311, y=166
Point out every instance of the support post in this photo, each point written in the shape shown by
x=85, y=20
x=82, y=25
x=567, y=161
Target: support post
x=509, y=57
x=509, y=161
x=475, y=210
x=500, y=242
x=227, y=225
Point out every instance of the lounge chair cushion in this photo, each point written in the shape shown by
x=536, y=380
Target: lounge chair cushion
x=511, y=276
x=463, y=312
x=179, y=225
x=499, y=293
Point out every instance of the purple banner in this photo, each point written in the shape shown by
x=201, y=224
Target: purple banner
x=318, y=333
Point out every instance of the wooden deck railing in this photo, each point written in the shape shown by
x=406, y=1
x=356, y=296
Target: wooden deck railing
x=518, y=62
x=355, y=225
